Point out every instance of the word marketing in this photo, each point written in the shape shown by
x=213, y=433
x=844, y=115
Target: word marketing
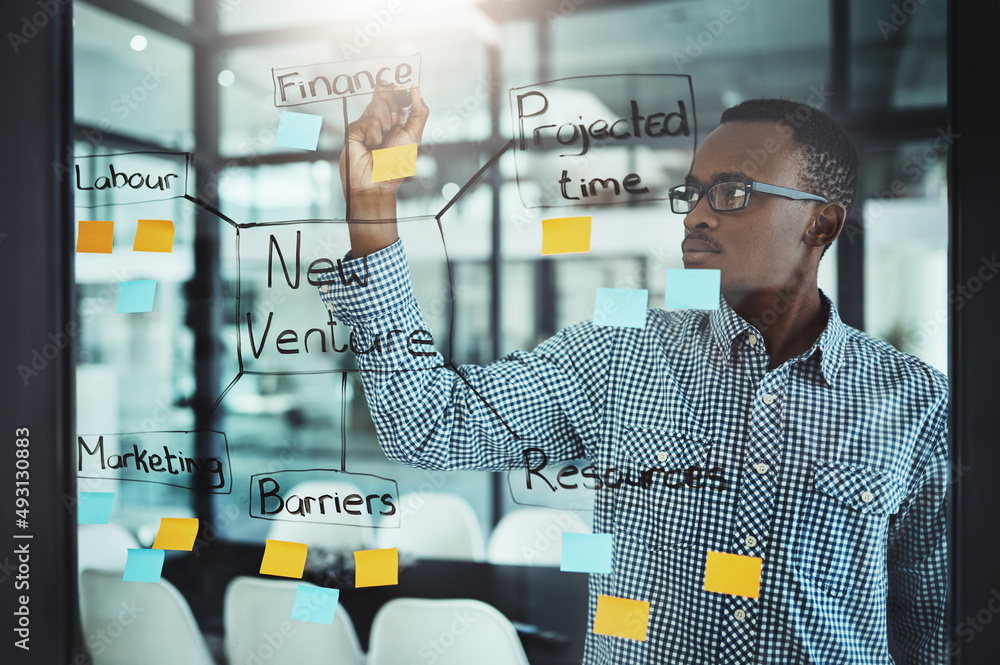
x=147, y=465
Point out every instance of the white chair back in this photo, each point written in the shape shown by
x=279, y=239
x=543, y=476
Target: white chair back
x=436, y=526
x=125, y=623
x=103, y=546
x=259, y=628
x=451, y=632
x=532, y=536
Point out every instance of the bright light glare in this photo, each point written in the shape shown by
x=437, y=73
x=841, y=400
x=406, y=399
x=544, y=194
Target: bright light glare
x=138, y=43
x=226, y=78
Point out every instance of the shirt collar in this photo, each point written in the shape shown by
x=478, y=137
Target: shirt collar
x=726, y=326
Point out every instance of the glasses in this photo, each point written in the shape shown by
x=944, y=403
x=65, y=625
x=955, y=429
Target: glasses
x=730, y=196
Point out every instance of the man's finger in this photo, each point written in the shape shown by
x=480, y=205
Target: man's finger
x=418, y=115
x=367, y=131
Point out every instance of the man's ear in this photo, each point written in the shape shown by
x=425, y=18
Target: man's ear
x=827, y=223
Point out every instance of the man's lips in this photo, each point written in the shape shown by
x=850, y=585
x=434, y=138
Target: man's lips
x=698, y=247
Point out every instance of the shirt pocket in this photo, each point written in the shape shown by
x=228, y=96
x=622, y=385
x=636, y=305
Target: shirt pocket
x=843, y=526
x=664, y=477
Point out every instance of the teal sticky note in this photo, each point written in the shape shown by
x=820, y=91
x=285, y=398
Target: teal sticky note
x=693, y=288
x=143, y=565
x=586, y=553
x=314, y=603
x=136, y=296
x=624, y=308
x=94, y=507
x=299, y=130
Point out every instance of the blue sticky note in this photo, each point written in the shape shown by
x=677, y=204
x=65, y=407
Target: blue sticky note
x=586, y=553
x=94, y=507
x=314, y=603
x=625, y=308
x=143, y=565
x=693, y=288
x=136, y=296
x=299, y=130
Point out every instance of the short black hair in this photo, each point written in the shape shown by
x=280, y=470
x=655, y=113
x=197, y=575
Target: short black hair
x=830, y=158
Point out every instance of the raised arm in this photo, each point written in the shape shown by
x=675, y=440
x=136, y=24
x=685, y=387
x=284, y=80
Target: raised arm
x=372, y=206
x=426, y=414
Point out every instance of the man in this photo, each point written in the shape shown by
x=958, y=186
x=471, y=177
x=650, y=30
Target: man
x=801, y=442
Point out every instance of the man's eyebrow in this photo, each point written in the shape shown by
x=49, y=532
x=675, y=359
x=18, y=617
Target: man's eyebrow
x=730, y=176
x=720, y=176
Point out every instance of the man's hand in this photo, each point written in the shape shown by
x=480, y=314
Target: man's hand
x=384, y=124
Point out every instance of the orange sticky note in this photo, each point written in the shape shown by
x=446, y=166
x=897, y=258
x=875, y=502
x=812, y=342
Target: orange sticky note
x=565, y=235
x=392, y=163
x=376, y=567
x=621, y=617
x=95, y=237
x=734, y=574
x=176, y=533
x=283, y=558
x=154, y=235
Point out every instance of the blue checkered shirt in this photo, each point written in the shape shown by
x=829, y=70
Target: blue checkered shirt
x=834, y=468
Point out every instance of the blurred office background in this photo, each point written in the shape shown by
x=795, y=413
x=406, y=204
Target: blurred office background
x=182, y=75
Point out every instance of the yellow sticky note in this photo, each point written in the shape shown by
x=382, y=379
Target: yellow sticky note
x=734, y=574
x=565, y=235
x=621, y=617
x=283, y=558
x=376, y=567
x=392, y=163
x=95, y=237
x=176, y=533
x=154, y=235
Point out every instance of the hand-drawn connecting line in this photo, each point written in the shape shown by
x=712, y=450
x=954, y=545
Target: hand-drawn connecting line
x=437, y=217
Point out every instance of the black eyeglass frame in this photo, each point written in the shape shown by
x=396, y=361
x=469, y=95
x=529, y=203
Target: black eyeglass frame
x=753, y=186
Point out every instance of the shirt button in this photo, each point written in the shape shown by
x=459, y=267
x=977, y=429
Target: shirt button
x=760, y=468
x=767, y=398
x=867, y=497
x=325, y=288
x=329, y=306
x=739, y=615
x=662, y=456
x=752, y=339
x=750, y=541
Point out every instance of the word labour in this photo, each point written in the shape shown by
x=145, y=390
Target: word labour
x=119, y=180
x=128, y=177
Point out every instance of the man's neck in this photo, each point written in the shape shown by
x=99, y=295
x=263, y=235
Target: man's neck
x=790, y=320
